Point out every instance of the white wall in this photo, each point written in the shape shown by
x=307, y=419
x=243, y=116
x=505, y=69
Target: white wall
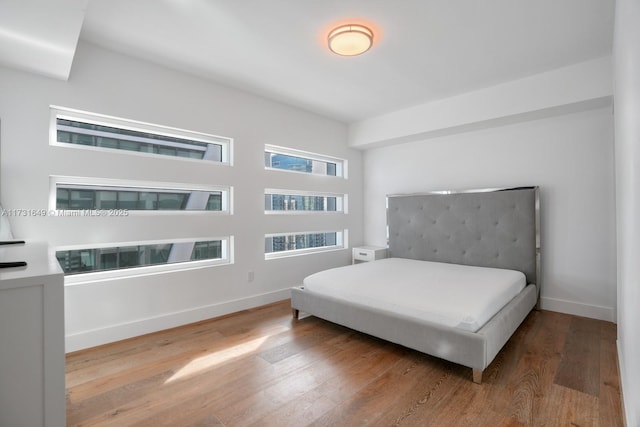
x=569, y=156
x=108, y=83
x=627, y=154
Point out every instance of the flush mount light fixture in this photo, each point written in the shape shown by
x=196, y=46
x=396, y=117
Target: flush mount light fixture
x=350, y=40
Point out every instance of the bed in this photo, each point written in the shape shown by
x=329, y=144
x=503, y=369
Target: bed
x=472, y=244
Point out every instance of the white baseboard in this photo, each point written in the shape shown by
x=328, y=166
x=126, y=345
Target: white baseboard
x=95, y=337
x=626, y=409
x=579, y=309
x=112, y=333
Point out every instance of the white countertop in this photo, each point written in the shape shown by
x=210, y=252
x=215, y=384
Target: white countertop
x=40, y=258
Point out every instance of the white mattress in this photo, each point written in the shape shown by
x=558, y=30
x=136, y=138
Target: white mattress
x=449, y=294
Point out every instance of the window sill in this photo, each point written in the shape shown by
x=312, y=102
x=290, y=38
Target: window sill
x=102, y=276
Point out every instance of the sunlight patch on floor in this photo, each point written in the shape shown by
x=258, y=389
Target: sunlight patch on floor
x=208, y=361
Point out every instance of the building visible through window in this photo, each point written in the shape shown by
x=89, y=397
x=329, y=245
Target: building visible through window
x=299, y=164
x=79, y=129
x=283, y=158
x=293, y=202
x=292, y=242
x=206, y=250
x=84, y=133
x=80, y=196
x=91, y=260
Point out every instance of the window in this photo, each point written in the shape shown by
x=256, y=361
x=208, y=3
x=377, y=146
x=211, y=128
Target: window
x=286, y=201
x=78, y=261
x=77, y=193
x=300, y=161
x=78, y=129
x=303, y=202
x=71, y=197
x=287, y=244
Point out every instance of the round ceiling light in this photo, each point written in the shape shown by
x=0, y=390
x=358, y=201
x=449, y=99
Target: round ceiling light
x=350, y=40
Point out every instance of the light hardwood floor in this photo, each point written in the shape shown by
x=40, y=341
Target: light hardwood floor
x=260, y=367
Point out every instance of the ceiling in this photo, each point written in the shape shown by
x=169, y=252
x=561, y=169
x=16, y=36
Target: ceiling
x=40, y=36
x=423, y=49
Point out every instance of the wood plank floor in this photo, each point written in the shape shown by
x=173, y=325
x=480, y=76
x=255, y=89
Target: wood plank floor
x=260, y=368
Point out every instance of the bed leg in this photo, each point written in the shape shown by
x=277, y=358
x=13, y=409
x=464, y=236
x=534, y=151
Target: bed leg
x=296, y=313
x=477, y=376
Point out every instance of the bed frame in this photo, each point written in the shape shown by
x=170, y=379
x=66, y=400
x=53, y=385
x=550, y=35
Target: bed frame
x=491, y=228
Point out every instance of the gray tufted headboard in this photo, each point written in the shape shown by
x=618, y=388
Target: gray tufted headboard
x=489, y=228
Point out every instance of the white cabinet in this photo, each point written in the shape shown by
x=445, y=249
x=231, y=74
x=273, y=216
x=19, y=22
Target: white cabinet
x=32, y=354
x=367, y=253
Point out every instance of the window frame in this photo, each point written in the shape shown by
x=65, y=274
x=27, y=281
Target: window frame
x=227, y=244
x=341, y=164
x=138, y=126
x=56, y=180
x=342, y=243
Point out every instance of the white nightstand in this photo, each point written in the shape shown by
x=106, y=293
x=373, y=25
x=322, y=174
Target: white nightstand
x=367, y=253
